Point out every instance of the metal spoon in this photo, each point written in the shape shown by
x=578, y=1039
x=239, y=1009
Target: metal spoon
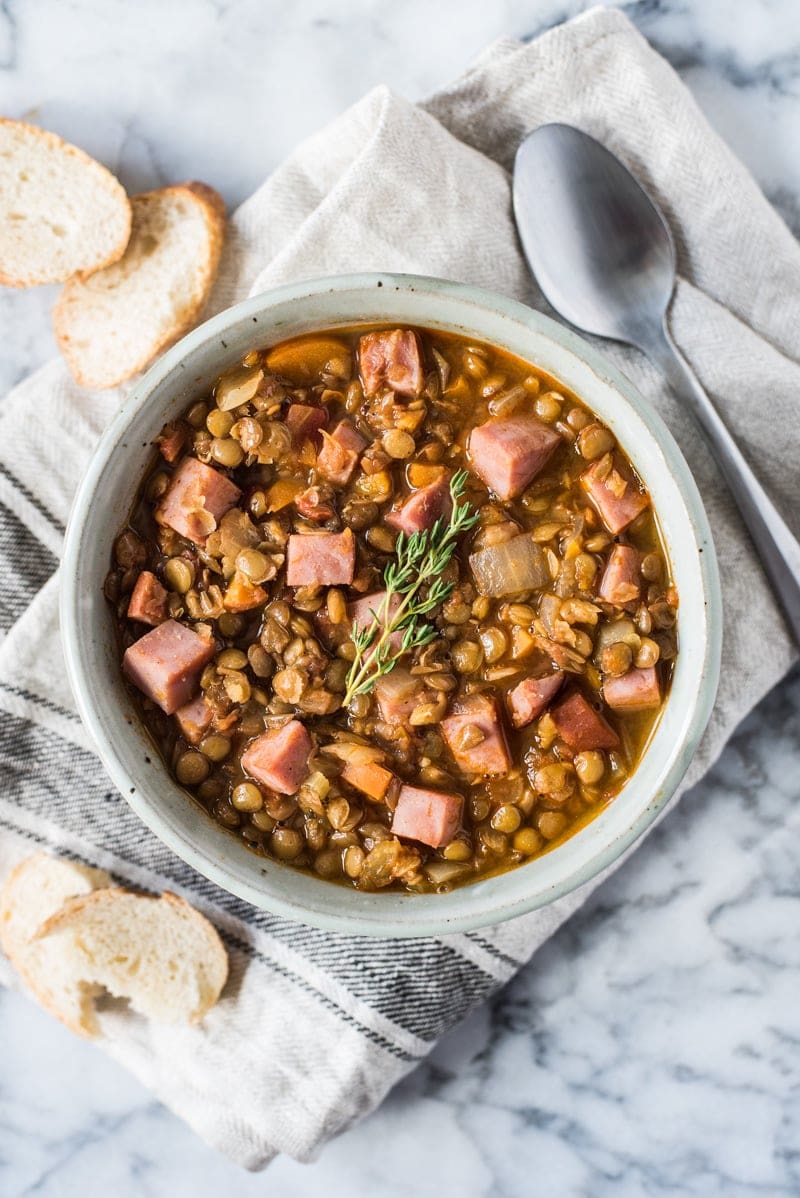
x=604, y=257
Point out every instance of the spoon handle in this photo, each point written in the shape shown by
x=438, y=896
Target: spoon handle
x=774, y=541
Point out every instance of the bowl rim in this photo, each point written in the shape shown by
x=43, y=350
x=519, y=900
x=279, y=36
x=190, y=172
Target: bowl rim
x=413, y=916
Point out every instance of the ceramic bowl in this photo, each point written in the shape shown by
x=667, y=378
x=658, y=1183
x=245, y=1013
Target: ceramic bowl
x=104, y=500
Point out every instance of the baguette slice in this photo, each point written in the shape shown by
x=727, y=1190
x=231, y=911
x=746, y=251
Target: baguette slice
x=159, y=953
x=61, y=213
x=35, y=890
x=110, y=325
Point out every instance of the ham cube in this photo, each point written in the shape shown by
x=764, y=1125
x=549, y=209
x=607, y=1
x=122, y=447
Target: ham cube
x=340, y=452
x=173, y=439
x=305, y=422
x=391, y=358
x=196, y=500
x=166, y=663
x=316, y=503
x=581, y=726
x=320, y=559
x=194, y=719
x=371, y=779
x=614, y=493
x=278, y=759
x=422, y=509
x=509, y=453
x=398, y=693
x=148, y=601
x=638, y=690
x=430, y=816
x=620, y=582
x=530, y=697
x=361, y=611
x=475, y=736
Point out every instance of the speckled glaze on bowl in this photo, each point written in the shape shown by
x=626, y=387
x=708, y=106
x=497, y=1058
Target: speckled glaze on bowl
x=115, y=473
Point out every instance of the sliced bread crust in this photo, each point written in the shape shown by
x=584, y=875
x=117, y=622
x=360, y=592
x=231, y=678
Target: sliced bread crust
x=159, y=953
x=35, y=890
x=111, y=325
x=61, y=212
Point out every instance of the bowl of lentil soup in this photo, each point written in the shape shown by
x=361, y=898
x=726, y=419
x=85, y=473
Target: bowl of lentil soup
x=391, y=606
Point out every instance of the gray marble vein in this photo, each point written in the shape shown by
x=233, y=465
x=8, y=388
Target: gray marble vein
x=653, y=1046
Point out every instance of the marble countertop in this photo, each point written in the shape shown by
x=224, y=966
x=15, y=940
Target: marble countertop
x=654, y=1045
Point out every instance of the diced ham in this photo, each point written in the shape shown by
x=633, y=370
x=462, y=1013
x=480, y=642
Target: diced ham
x=391, y=358
x=509, y=452
x=431, y=816
x=423, y=508
x=278, y=759
x=530, y=697
x=369, y=777
x=194, y=719
x=473, y=715
x=581, y=726
x=196, y=500
x=620, y=582
x=340, y=452
x=398, y=693
x=166, y=664
x=614, y=493
x=638, y=690
x=316, y=503
x=305, y=422
x=360, y=613
x=173, y=439
x=148, y=602
x=320, y=559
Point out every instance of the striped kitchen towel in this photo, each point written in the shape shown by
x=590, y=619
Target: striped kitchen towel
x=314, y=1028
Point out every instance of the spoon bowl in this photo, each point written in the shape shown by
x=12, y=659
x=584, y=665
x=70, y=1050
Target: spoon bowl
x=604, y=257
x=608, y=265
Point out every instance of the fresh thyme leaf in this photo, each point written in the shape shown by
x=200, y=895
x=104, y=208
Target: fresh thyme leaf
x=420, y=560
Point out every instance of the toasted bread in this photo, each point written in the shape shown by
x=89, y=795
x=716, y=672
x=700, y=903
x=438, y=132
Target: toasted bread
x=34, y=891
x=111, y=325
x=159, y=953
x=61, y=213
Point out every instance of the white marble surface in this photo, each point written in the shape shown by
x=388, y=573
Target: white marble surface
x=654, y=1046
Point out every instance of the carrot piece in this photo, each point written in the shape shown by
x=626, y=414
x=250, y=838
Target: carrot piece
x=242, y=595
x=282, y=493
x=370, y=778
x=301, y=359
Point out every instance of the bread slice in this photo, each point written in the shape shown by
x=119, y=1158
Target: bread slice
x=61, y=213
x=159, y=953
x=34, y=891
x=110, y=325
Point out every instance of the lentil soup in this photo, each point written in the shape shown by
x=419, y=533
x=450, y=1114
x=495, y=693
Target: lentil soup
x=395, y=608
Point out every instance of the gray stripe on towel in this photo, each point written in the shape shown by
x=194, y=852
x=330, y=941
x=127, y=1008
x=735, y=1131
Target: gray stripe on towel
x=240, y=946
x=25, y=566
x=422, y=986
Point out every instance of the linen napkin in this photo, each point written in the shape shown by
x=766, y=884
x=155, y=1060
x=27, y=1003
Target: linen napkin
x=314, y=1028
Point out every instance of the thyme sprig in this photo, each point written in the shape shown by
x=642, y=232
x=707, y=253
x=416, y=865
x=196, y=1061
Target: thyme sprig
x=415, y=574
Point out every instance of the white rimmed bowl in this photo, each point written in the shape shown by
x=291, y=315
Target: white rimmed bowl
x=102, y=505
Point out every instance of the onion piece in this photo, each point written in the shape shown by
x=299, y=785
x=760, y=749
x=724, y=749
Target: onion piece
x=510, y=567
x=550, y=612
x=354, y=753
x=237, y=387
x=614, y=632
x=446, y=871
x=443, y=368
